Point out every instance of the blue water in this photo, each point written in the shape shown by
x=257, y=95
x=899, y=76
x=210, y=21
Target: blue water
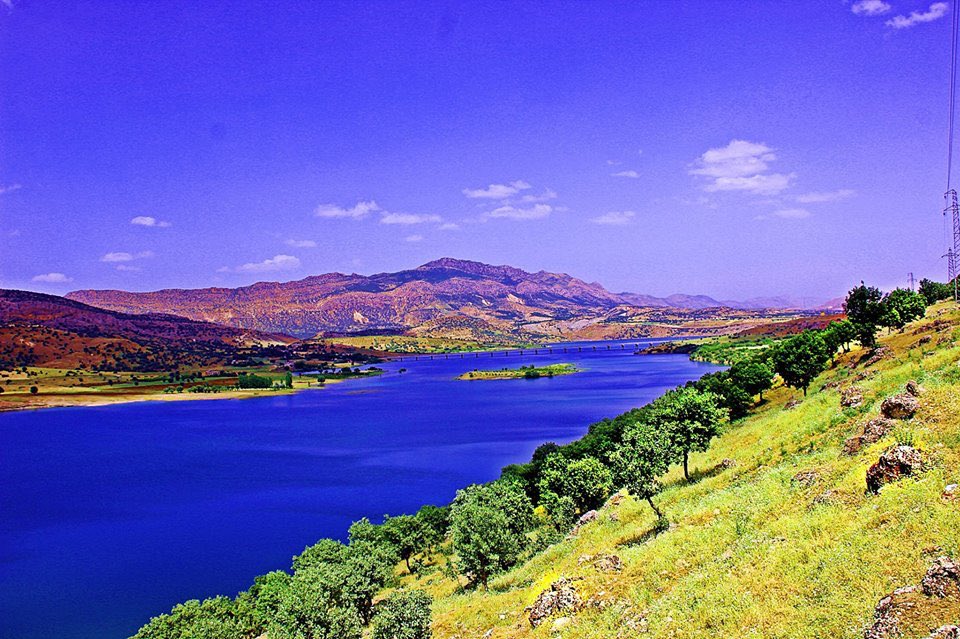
x=111, y=515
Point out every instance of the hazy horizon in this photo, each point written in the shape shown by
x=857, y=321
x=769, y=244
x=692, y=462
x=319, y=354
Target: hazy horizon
x=772, y=150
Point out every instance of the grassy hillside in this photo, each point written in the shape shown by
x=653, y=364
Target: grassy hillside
x=776, y=536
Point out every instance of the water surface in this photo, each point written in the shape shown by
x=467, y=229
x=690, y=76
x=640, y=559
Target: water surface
x=109, y=515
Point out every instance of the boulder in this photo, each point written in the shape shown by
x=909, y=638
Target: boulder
x=894, y=464
x=942, y=579
x=901, y=406
x=871, y=432
x=585, y=518
x=608, y=563
x=851, y=397
x=879, y=354
x=915, y=389
x=793, y=403
x=806, y=478
x=951, y=492
x=913, y=610
x=561, y=596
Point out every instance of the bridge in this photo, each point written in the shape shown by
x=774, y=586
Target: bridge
x=516, y=352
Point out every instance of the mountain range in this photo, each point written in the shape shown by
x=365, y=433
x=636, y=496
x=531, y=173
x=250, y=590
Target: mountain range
x=435, y=299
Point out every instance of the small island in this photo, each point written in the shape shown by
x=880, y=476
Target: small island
x=524, y=372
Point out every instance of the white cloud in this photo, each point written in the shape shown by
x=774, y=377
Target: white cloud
x=301, y=243
x=52, y=278
x=358, y=211
x=407, y=218
x=508, y=211
x=128, y=268
x=8, y=4
x=546, y=196
x=626, y=174
x=614, y=218
x=498, y=191
x=760, y=184
x=123, y=256
x=414, y=238
x=792, y=214
x=870, y=7
x=449, y=226
x=936, y=11
x=825, y=196
x=11, y=187
x=741, y=166
x=146, y=220
x=275, y=263
x=614, y=162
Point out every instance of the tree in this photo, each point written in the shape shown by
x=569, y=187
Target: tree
x=435, y=520
x=640, y=461
x=933, y=292
x=369, y=567
x=752, y=376
x=488, y=524
x=288, y=380
x=407, y=534
x=34, y=390
x=586, y=481
x=213, y=618
x=313, y=607
x=864, y=308
x=690, y=418
x=403, y=615
x=800, y=359
x=901, y=306
x=844, y=332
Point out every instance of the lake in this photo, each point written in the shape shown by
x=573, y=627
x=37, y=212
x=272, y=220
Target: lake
x=110, y=515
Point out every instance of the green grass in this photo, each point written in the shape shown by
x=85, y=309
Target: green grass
x=752, y=553
x=524, y=372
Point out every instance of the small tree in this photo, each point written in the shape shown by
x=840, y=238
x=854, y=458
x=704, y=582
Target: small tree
x=901, y=306
x=640, y=461
x=933, y=292
x=436, y=521
x=488, y=524
x=800, y=359
x=864, y=308
x=586, y=481
x=403, y=615
x=288, y=379
x=691, y=418
x=407, y=534
x=313, y=607
x=752, y=376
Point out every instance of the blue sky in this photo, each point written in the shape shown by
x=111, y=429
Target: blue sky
x=727, y=148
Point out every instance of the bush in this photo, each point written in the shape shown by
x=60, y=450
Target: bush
x=403, y=615
x=586, y=481
x=488, y=524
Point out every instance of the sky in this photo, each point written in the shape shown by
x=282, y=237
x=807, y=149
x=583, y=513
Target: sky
x=734, y=149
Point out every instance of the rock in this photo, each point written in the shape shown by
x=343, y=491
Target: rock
x=942, y=579
x=946, y=632
x=926, y=339
x=879, y=354
x=871, y=432
x=899, y=407
x=793, y=403
x=615, y=500
x=951, y=492
x=560, y=623
x=888, y=612
x=727, y=463
x=915, y=389
x=851, y=397
x=561, y=596
x=614, y=517
x=806, y=478
x=826, y=497
x=829, y=385
x=894, y=464
x=862, y=375
x=583, y=559
x=608, y=563
x=585, y=518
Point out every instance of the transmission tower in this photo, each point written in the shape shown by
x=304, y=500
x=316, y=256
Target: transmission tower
x=911, y=281
x=953, y=252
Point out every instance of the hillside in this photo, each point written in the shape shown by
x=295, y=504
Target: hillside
x=51, y=331
x=776, y=535
x=446, y=298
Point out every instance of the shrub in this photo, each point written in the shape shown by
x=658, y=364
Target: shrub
x=403, y=615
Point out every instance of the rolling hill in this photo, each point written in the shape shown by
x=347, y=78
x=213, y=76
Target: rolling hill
x=46, y=330
x=431, y=300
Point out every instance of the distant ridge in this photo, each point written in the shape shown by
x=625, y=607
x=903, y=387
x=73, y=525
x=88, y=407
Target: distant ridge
x=494, y=298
